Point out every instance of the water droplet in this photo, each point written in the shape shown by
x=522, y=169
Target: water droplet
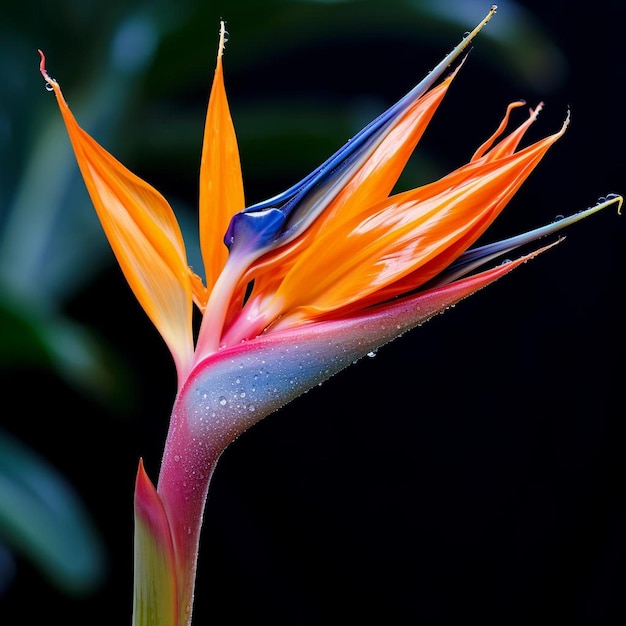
x=466, y=34
x=251, y=408
x=222, y=400
x=506, y=262
x=372, y=353
x=559, y=217
x=177, y=457
x=49, y=87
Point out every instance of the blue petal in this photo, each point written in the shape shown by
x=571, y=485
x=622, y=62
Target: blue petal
x=256, y=228
x=477, y=257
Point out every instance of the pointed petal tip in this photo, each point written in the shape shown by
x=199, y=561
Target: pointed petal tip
x=223, y=39
x=142, y=476
x=470, y=36
x=51, y=83
x=146, y=496
x=615, y=197
x=42, y=62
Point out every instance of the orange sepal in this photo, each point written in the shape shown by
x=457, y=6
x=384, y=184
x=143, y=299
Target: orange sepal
x=143, y=233
x=221, y=182
x=370, y=184
x=406, y=240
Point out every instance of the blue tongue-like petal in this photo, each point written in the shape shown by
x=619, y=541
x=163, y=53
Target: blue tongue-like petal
x=474, y=258
x=258, y=228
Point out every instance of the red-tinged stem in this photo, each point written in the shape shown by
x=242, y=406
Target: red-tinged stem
x=186, y=470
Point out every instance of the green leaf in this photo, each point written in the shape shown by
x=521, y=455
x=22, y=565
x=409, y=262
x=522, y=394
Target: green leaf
x=30, y=338
x=41, y=517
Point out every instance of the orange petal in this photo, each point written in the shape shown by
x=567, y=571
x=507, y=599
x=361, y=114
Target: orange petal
x=221, y=184
x=405, y=241
x=370, y=183
x=376, y=178
x=143, y=233
x=509, y=144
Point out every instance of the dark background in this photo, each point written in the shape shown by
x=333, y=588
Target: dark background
x=472, y=470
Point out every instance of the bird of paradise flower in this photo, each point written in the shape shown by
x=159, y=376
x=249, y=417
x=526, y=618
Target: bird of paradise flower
x=300, y=287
